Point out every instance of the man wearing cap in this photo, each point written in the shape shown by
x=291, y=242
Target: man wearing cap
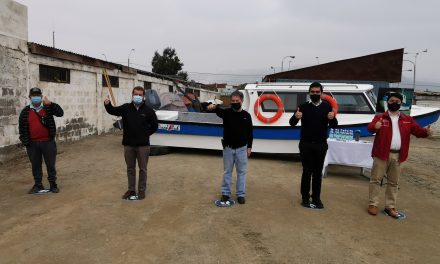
x=390, y=148
x=37, y=131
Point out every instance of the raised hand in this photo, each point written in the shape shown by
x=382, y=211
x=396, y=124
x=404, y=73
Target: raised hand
x=107, y=100
x=298, y=114
x=430, y=130
x=211, y=107
x=46, y=101
x=331, y=115
x=378, y=124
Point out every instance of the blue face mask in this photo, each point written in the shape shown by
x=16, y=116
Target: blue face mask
x=137, y=99
x=36, y=99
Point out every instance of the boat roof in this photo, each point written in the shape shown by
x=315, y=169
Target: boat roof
x=286, y=86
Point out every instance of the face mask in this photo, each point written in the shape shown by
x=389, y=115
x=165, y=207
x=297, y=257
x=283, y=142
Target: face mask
x=393, y=107
x=236, y=106
x=36, y=99
x=315, y=97
x=137, y=99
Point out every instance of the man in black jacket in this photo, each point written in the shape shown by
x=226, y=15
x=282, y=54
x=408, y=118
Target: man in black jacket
x=237, y=145
x=316, y=117
x=37, y=131
x=140, y=122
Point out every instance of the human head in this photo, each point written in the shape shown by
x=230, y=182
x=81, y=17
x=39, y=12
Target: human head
x=35, y=95
x=35, y=92
x=395, y=97
x=237, y=97
x=138, y=90
x=236, y=100
x=314, y=87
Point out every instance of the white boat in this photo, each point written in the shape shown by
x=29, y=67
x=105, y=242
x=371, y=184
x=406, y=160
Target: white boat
x=356, y=102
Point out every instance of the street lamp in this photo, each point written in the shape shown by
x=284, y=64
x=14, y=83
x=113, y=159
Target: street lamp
x=317, y=60
x=104, y=56
x=282, y=61
x=289, y=64
x=414, y=63
x=272, y=69
x=414, y=72
x=129, y=57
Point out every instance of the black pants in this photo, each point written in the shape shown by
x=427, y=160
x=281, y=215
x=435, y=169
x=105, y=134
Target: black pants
x=38, y=150
x=312, y=159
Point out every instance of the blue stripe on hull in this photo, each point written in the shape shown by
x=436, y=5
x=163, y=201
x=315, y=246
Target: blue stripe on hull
x=280, y=133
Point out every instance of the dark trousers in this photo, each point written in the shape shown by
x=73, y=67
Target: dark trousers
x=37, y=150
x=312, y=159
x=140, y=154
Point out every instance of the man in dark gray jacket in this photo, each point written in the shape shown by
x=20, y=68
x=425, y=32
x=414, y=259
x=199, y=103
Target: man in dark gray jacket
x=140, y=122
x=37, y=131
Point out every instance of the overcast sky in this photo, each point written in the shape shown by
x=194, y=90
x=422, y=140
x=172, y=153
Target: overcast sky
x=241, y=36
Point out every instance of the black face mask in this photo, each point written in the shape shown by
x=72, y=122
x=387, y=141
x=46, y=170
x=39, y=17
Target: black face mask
x=236, y=106
x=315, y=97
x=393, y=107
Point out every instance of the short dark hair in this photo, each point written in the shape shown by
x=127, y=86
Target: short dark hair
x=237, y=93
x=138, y=88
x=395, y=94
x=315, y=85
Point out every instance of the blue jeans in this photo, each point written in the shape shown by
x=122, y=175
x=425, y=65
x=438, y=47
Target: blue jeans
x=239, y=158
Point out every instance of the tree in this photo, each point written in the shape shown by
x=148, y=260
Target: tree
x=168, y=64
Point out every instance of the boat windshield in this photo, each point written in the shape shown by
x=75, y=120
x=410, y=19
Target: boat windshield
x=372, y=97
x=353, y=103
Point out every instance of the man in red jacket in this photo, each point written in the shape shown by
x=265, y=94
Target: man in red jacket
x=391, y=143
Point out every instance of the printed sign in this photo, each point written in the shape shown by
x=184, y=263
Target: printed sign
x=169, y=127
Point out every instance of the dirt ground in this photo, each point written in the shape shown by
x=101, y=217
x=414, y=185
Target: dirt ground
x=88, y=222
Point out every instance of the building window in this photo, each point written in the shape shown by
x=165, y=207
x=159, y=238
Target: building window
x=197, y=93
x=114, y=81
x=170, y=88
x=147, y=85
x=54, y=74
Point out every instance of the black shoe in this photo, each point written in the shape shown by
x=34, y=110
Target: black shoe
x=305, y=203
x=54, y=187
x=318, y=204
x=36, y=188
x=224, y=198
x=241, y=200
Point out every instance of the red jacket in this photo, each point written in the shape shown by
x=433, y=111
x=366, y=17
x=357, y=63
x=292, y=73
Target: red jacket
x=382, y=140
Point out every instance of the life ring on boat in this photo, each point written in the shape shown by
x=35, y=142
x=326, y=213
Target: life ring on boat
x=278, y=114
x=332, y=102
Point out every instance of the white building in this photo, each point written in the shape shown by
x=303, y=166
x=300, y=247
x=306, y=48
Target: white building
x=74, y=81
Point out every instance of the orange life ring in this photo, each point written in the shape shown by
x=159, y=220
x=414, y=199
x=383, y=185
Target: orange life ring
x=332, y=102
x=263, y=98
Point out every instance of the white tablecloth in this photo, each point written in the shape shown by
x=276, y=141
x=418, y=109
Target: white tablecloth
x=349, y=153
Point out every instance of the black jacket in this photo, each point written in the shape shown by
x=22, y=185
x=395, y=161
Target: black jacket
x=139, y=125
x=23, y=121
x=314, y=122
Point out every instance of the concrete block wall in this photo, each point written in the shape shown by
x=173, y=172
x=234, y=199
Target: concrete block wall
x=13, y=73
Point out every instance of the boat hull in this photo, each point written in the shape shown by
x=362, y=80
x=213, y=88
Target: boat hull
x=267, y=139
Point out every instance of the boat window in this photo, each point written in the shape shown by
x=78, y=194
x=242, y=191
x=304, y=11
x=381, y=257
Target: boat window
x=352, y=103
x=372, y=98
x=290, y=102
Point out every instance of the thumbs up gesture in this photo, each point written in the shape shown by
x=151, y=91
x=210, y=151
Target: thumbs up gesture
x=430, y=130
x=298, y=114
x=331, y=115
x=378, y=124
x=46, y=101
